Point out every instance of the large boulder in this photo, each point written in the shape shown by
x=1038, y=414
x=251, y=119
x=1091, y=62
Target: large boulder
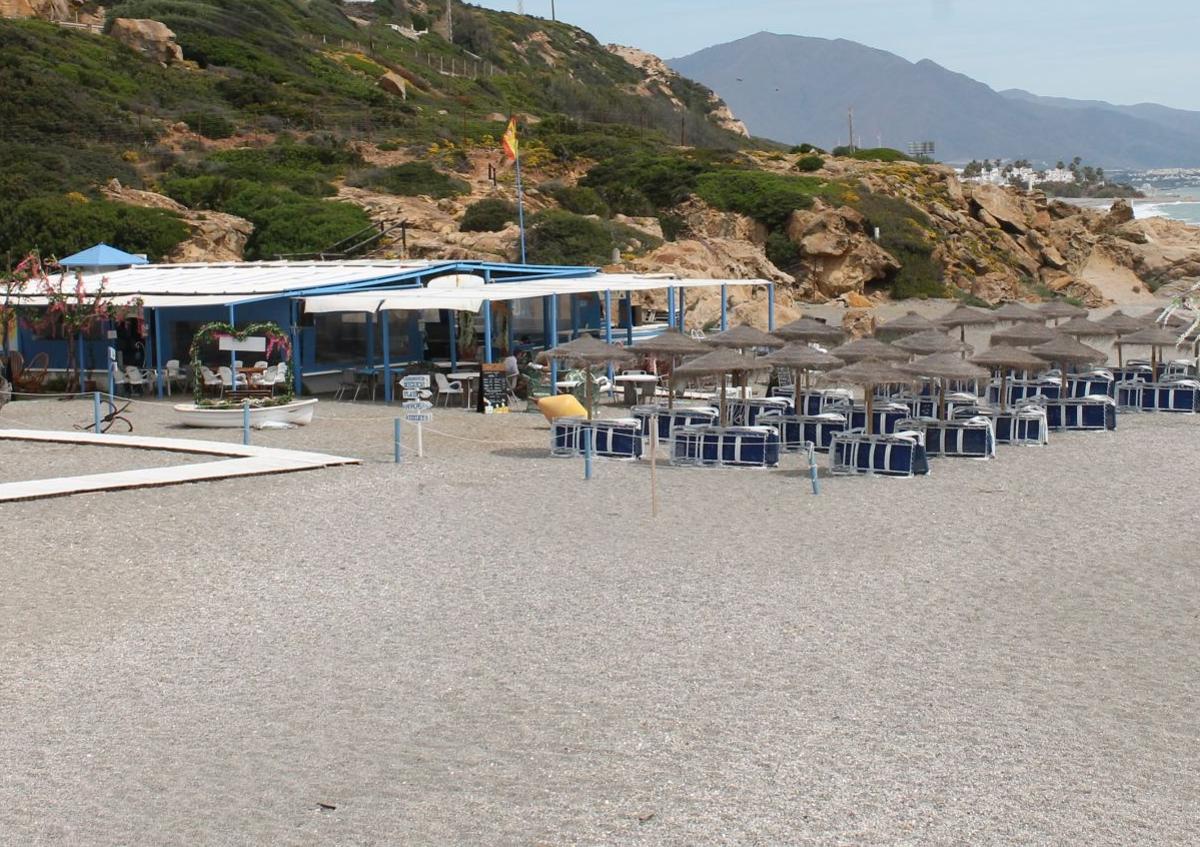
x=214, y=236
x=393, y=83
x=1120, y=213
x=702, y=221
x=1002, y=206
x=152, y=39
x=47, y=10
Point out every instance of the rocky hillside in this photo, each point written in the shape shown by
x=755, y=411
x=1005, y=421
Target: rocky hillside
x=192, y=132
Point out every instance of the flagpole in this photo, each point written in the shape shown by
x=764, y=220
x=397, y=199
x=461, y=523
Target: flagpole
x=520, y=205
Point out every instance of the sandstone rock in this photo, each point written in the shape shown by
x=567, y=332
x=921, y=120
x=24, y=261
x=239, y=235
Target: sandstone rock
x=1002, y=205
x=859, y=323
x=712, y=258
x=1120, y=213
x=214, y=236
x=650, y=226
x=47, y=10
x=857, y=301
x=1042, y=249
x=150, y=38
x=996, y=286
x=393, y=83
x=702, y=221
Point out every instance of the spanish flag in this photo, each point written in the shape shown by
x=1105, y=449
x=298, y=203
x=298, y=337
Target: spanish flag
x=509, y=141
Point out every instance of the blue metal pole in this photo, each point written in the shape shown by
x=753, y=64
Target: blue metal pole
x=453, y=339
x=96, y=409
x=111, y=361
x=770, y=307
x=386, y=329
x=232, y=357
x=487, y=331
x=670, y=305
x=812, y=471
x=608, y=328
x=158, y=352
x=724, y=308
x=297, y=379
x=553, y=341
x=682, y=308
x=245, y=421
x=520, y=207
x=587, y=452
x=370, y=340
x=574, y=305
x=396, y=440
x=629, y=318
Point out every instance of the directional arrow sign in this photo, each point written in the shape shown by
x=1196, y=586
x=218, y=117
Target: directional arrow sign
x=417, y=405
x=415, y=381
x=414, y=393
x=419, y=417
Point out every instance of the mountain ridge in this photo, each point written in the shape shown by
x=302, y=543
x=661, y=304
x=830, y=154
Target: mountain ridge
x=897, y=101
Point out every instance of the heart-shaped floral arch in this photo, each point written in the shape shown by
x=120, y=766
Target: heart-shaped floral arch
x=277, y=339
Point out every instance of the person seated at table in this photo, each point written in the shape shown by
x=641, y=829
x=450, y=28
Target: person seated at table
x=511, y=366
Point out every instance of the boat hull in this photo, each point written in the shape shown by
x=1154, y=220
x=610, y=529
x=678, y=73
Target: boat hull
x=299, y=413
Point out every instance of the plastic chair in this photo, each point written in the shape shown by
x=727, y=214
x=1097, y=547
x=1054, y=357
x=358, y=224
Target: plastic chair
x=447, y=387
x=134, y=378
x=211, y=380
x=348, y=381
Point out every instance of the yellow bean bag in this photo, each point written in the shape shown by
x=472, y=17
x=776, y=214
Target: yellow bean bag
x=561, y=406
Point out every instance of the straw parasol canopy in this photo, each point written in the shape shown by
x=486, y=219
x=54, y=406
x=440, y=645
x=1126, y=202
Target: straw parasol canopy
x=1081, y=327
x=720, y=362
x=744, y=337
x=929, y=342
x=588, y=350
x=1015, y=312
x=945, y=367
x=909, y=324
x=673, y=343
x=1057, y=309
x=1004, y=359
x=868, y=348
x=1121, y=323
x=1023, y=335
x=802, y=358
x=810, y=329
x=1065, y=350
x=964, y=316
x=868, y=373
x=1154, y=337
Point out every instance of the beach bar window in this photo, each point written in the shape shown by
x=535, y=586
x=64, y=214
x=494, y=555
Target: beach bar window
x=341, y=337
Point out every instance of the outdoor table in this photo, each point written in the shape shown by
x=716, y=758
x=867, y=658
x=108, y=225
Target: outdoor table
x=633, y=382
x=468, y=379
x=370, y=376
x=567, y=385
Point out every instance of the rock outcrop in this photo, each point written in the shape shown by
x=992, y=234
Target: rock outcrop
x=47, y=10
x=152, y=39
x=214, y=236
x=393, y=83
x=839, y=256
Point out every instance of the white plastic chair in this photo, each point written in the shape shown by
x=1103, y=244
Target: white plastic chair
x=134, y=378
x=267, y=377
x=118, y=378
x=349, y=380
x=447, y=387
x=211, y=380
x=175, y=374
x=227, y=377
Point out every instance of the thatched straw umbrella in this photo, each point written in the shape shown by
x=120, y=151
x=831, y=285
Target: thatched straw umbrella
x=810, y=330
x=868, y=348
x=945, y=367
x=721, y=362
x=930, y=342
x=673, y=343
x=1023, y=335
x=963, y=317
x=588, y=350
x=1014, y=312
x=1081, y=327
x=909, y=324
x=745, y=337
x=802, y=358
x=1056, y=310
x=1153, y=337
x=868, y=373
x=1004, y=359
x=1063, y=351
x=1122, y=324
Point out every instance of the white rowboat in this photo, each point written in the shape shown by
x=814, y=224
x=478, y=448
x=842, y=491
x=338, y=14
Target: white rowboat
x=299, y=412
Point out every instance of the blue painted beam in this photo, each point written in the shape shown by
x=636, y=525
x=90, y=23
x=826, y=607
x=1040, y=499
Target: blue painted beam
x=724, y=308
x=386, y=331
x=487, y=331
x=770, y=307
x=158, y=351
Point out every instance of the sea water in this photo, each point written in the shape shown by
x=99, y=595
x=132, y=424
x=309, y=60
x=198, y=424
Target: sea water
x=1183, y=209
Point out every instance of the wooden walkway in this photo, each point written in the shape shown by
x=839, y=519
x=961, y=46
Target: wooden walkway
x=235, y=460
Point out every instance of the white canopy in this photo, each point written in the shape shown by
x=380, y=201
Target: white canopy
x=472, y=299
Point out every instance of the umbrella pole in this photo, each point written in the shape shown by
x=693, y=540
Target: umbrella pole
x=1003, y=387
x=1120, y=364
x=942, y=401
x=796, y=389
x=587, y=371
x=723, y=417
x=870, y=392
x=671, y=384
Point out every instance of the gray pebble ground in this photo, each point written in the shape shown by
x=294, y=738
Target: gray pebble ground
x=480, y=648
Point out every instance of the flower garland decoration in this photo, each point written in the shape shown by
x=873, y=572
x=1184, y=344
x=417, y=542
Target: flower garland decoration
x=277, y=341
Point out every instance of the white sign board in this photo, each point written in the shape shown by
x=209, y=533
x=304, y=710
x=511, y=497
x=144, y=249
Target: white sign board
x=252, y=344
x=417, y=405
x=419, y=417
x=415, y=381
x=416, y=393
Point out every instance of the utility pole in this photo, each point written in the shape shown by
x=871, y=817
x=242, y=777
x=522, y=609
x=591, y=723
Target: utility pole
x=553, y=17
x=850, y=114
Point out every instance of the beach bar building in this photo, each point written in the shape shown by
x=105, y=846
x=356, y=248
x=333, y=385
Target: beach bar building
x=380, y=314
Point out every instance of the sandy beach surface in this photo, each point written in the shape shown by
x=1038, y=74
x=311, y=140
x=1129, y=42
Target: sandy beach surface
x=479, y=647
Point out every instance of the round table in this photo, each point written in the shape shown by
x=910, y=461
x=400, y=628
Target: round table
x=468, y=379
x=634, y=382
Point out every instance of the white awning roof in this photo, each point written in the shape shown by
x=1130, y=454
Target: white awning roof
x=472, y=299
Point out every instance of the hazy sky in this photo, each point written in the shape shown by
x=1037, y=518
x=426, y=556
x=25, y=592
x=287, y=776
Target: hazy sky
x=1124, y=52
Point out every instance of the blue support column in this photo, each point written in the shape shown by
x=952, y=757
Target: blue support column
x=297, y=366
x=682, y=309
x=629, y=318
x=547, y=343
x=386, y=330
x=232, y=357
x=724, y=308
x=370, y=340
x=450, y=316
x=770, y=307
x=608, y=327
x=670, y=305
x=158, y=351
x=487, y=331
x=554, y=342
x=574, y=304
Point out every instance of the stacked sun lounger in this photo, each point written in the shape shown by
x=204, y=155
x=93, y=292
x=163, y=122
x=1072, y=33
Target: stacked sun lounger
x=970, y=437
x=1168, y=395
x=731, y=446
x=670, y=420
x=900, y=454
x=618, y=438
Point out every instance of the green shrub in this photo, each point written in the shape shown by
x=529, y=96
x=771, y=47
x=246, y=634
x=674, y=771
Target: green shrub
x=641, y=184
x=781, y=251
x=58, y=226
x=305, y=226
x=672, y=225
x=768, y=198
x=806, y=148
x=872, y=154
x=490, y=215
x=902, y=233
x=409, y=180
x=581, y=200
x=556, y=237
x=808, y=164
x=303, y=168
x=209, y=124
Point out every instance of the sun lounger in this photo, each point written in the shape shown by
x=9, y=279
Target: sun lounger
x=746, y=412
x=883, y=455
x=885, y=417
x=1095, y=413
x=819, y=401
x=1175, y=395
x=734, y=446
x=1023, y=426
x=617, y=438
x=670, y=420
x=965, y=437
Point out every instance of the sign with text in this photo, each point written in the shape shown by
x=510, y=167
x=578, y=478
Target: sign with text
x=493, y=389
x=415, y=381
x=416, y=405
x=419, y=417
x=250, y=344
x=416, y=393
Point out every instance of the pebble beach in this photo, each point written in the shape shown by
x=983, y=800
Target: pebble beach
x=479, y=647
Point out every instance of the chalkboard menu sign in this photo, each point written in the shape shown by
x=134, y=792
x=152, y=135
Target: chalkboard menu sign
x=493, y=389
